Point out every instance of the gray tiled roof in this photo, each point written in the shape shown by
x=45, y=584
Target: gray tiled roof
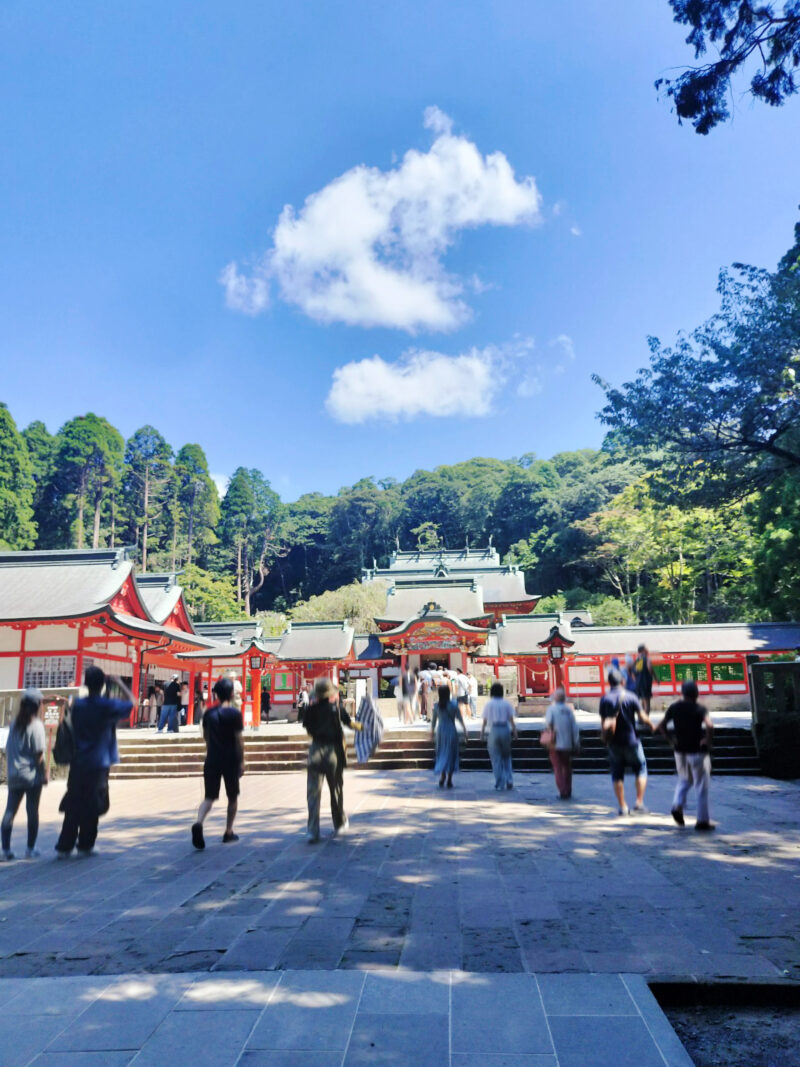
x=367, y=646
x=69, y=584
x=521, y=634
x=316, y=640
x=461, y=598
x=236, y=633
x=160, y=593
x=727, y=637
x=504, y=587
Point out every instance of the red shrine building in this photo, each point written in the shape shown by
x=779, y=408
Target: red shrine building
x=62, y=611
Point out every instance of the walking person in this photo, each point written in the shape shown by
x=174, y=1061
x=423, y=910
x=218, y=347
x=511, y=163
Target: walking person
x=473, y=696
x=645, y=675
x=619, y=711
x=323, y=720
x=462, y=691
x=425, y=682
x=407, y=691
x=26, y=771
x=152, y=706
x=94, y=720
x=169, y=709
x=693, y=730
x=445, y=734
x=183, y=704
x=498, y=715
x=223, y=728
x=565, y=740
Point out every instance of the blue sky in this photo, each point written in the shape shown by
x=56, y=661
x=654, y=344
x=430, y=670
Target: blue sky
x=150, y=151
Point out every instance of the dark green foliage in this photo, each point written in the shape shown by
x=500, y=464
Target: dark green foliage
x=17, y=529
x=737, y=31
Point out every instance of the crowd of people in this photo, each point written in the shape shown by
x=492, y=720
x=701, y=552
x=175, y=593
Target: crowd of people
x=92, y=719
x=416, y=692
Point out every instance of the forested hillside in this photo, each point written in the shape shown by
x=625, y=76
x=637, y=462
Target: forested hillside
x=690, y=511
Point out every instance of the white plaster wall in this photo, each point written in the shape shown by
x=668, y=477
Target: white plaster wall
x=9, y=639
x=51, y=638
x=9, y=672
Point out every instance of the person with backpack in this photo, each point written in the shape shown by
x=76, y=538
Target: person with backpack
x=92, y=722
x=619, y=711
x=26, y=771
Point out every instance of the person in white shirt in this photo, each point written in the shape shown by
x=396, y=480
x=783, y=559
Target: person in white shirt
x=462, y=690
x=473, y=696
x=565, y=740
x=498, y=715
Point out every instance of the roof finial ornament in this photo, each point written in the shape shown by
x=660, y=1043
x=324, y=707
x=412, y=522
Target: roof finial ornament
x=397, y=541
x=491, y=538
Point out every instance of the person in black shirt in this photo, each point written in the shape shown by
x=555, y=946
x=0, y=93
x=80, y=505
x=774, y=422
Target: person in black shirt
x=691, y=739
x=326, y=755
x=643, y=676
x=619, y=710
x=222, y=730
x=169, y=709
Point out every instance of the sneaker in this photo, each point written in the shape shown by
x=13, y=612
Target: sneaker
x=705, y=827
x=312, y=839
x=677, y=815
x=624, y=811
x=509, y=785
x=640, y=809
x=342, y=829
x=32, y=853
x=228, y=839
x=197, y=836
x=7, y=854
x=62, y=855
x=85, y=853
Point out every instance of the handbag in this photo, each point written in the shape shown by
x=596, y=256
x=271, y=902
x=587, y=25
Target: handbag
x=547, y=738
x=64, y=744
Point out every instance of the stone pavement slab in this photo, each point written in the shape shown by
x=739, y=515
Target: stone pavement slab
x=466, y=880
x=346, y=1018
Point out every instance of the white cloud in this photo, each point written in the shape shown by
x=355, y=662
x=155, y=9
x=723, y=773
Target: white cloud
x=367, y=249
x=221, y=482
x=421, y=383
x=567, y=348
x=558, y=207
x=576, y=231
x=250, y=295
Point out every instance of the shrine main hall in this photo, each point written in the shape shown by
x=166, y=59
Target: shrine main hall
x=462, y=608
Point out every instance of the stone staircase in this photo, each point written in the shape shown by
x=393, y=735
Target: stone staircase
x=181, y=756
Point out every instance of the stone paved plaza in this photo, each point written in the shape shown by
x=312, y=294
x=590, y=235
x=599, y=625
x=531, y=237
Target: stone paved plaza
x=446, y=927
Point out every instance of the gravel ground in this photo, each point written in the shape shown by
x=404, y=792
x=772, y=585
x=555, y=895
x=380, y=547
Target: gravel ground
x=738, y=1037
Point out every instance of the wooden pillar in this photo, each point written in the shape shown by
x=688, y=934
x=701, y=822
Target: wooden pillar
x=136, y=684
x=79, y=658
x=21, y=673
x=190, y=709
x=255, y=689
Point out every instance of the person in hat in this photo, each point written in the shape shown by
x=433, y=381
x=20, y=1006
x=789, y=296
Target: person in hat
x=323, y=720
x=26, y=770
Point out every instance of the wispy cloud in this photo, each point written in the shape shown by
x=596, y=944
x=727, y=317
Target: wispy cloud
x=368, y=248
x=424, y=383
x=576, y=231
x=565, y=346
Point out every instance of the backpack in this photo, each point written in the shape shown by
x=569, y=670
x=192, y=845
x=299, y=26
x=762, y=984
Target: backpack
x=64, y=745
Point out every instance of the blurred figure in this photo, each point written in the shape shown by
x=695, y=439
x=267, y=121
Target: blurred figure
x=152, y=706
x=692, y=743
x=26, y=770
x=629, y=675
x=644, y=678
x=323, y=720
x=566, y=740
x=498, y=715
x=184, y=703
x=423, y=688
x=169, y=709
x=445, y=734
x=94, y=719
x=462, y=691
x=223, y=728
x=407, y=692
x=473, y=696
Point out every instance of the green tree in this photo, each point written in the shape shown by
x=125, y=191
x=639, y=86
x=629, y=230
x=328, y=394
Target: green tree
x=198, y=501
x=359, y=602
x=17, y=528
x=251, y=518
x=210, y=597
x=147, y=481
x=738, y=31
x=86, y=470
x=427, y=535
x=363, y=521
x=722, y=406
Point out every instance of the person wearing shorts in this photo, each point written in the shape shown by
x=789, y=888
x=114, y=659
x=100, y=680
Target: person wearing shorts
x=223, y=728
x=619, y=710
